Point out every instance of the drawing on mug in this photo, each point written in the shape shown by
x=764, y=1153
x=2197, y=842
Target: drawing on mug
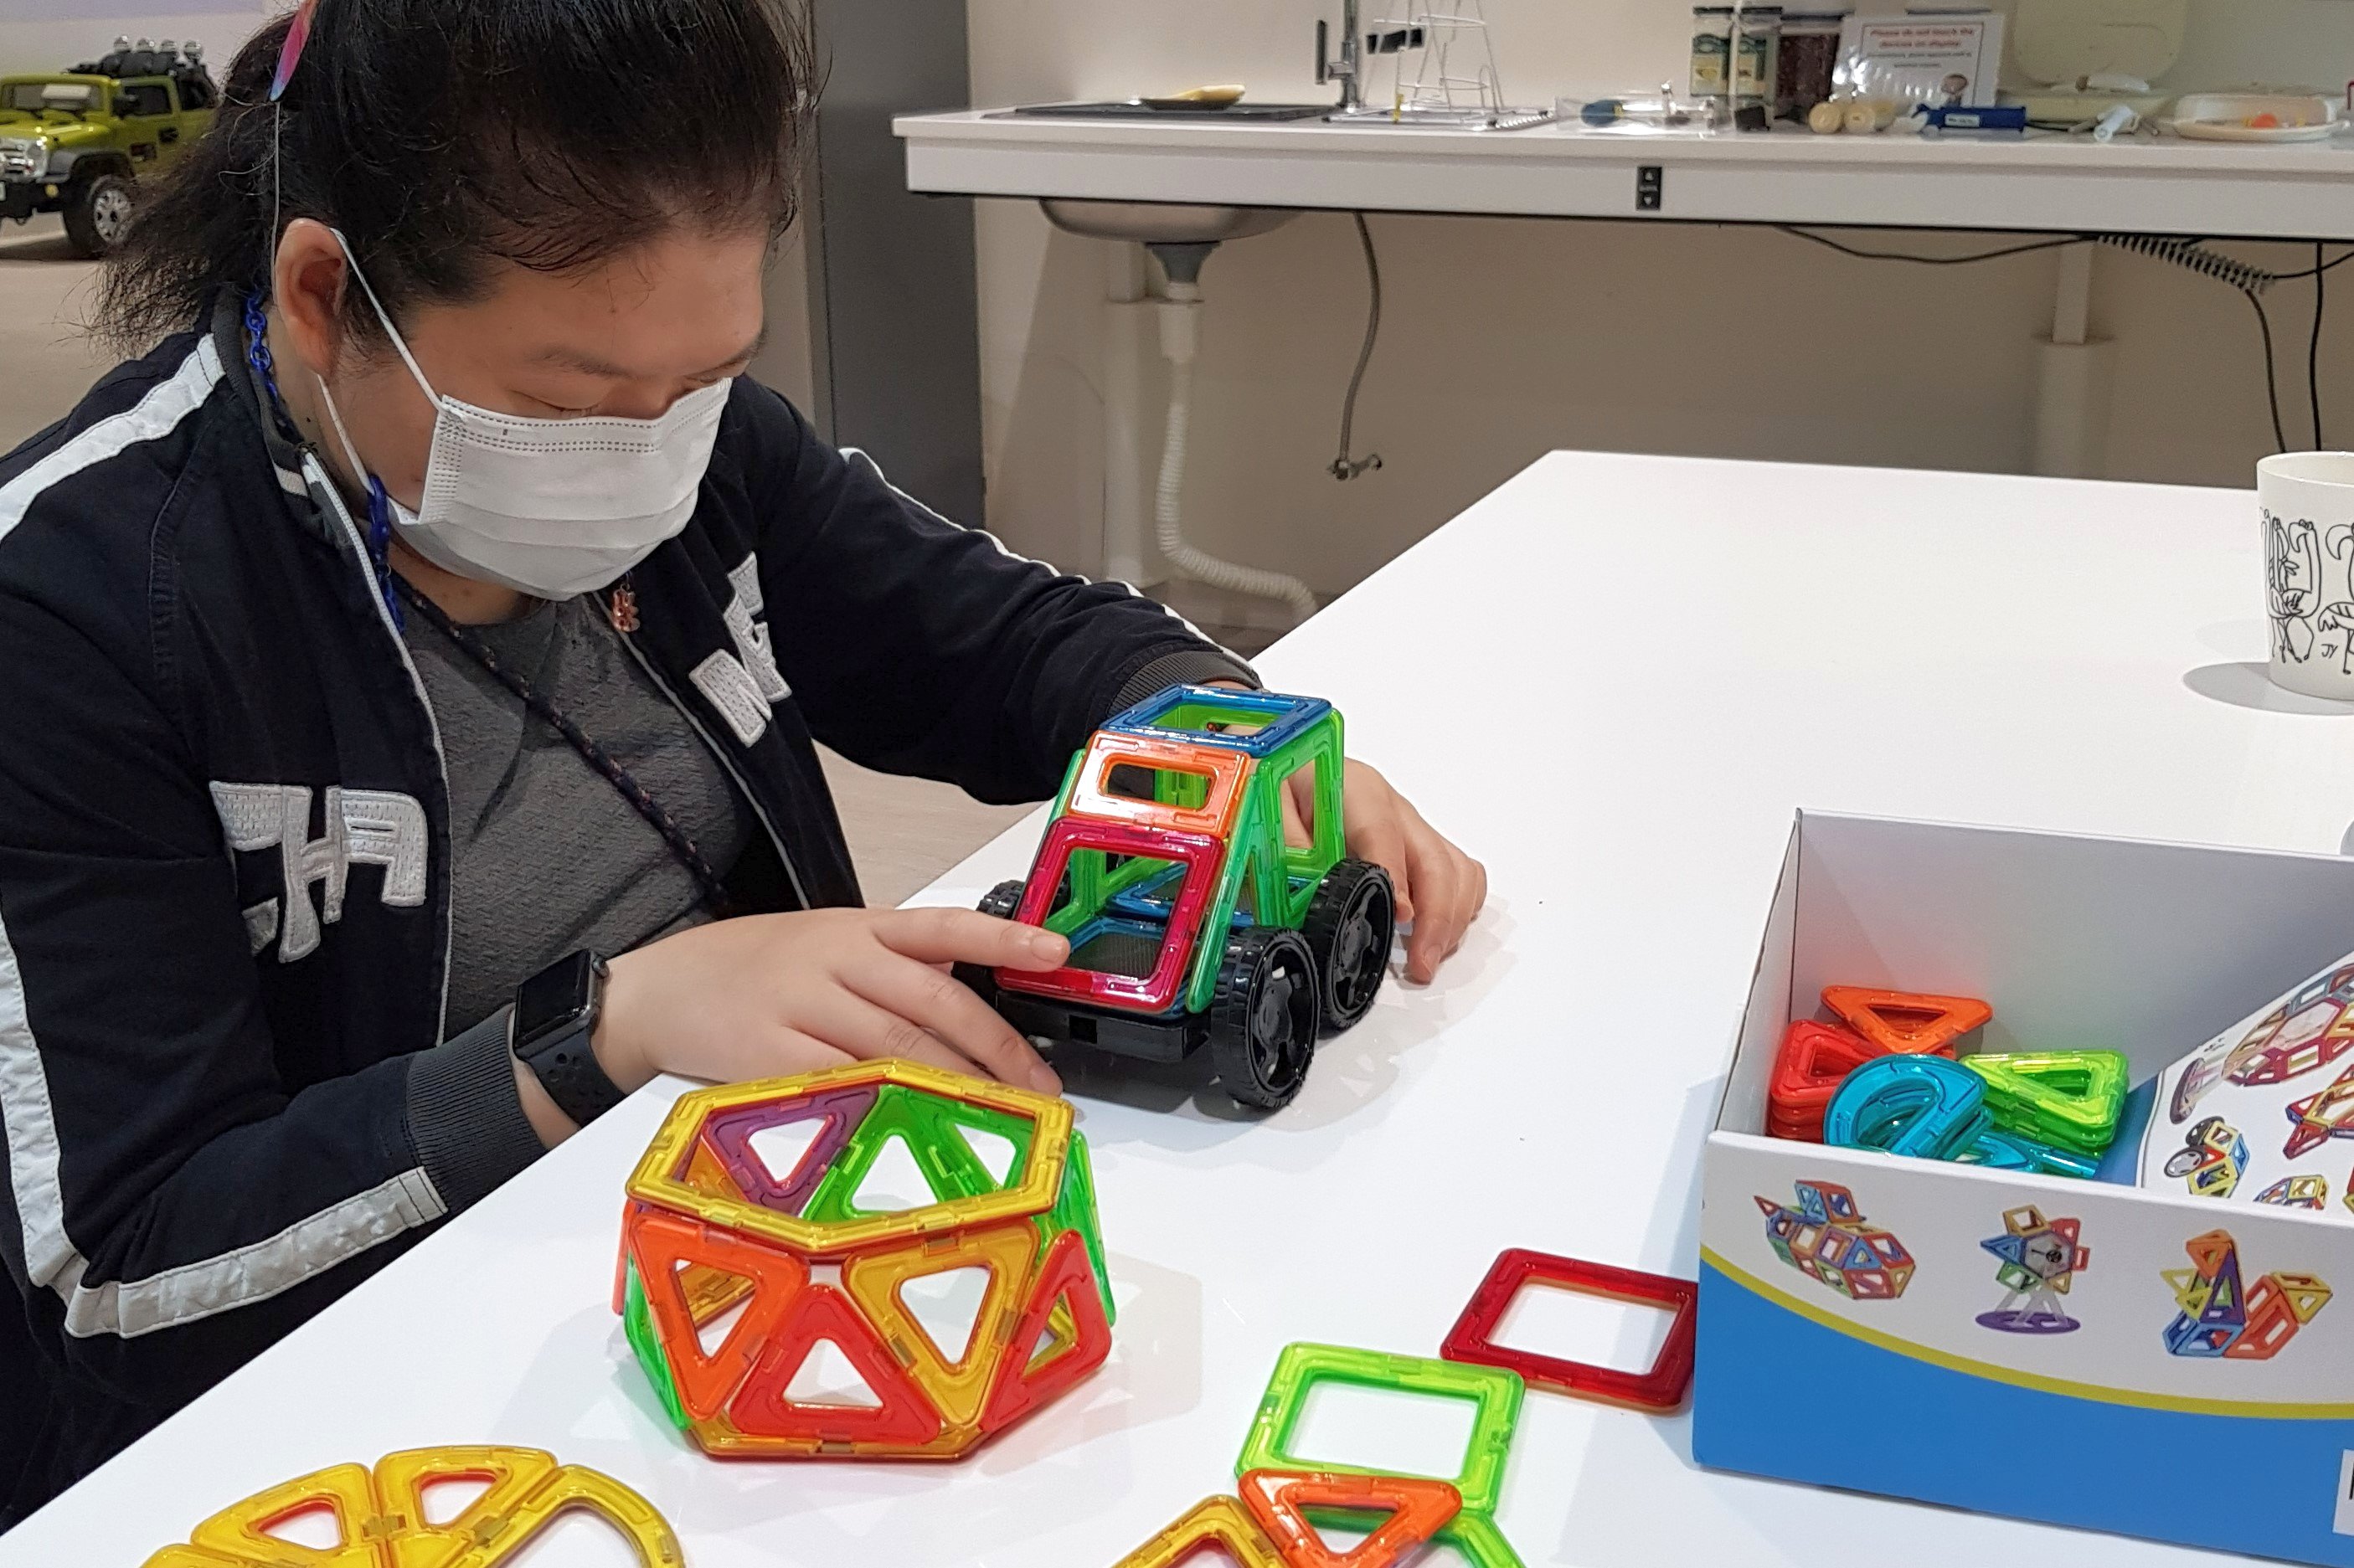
x=2335, y=622
x=2292, y=585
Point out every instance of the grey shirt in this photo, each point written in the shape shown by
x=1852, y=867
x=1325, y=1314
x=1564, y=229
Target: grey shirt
x=547, y=857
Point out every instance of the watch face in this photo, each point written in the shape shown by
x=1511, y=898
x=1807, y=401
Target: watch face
x=553, y=997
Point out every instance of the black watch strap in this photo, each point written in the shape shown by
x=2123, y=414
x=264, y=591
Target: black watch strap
x=555, y=1013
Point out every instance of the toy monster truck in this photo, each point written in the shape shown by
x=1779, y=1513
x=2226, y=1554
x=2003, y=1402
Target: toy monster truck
x=77, y=141
x=1192, y=921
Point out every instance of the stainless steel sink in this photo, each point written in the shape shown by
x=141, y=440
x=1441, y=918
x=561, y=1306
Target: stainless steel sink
x=1162, y=223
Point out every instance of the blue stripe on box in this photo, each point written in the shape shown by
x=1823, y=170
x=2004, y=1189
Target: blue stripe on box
x=1908, y=1427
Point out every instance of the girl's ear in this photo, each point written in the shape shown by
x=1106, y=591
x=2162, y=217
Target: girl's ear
x=307, y=279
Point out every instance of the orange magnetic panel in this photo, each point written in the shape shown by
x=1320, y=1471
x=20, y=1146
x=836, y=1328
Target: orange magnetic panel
x=763, y=1407
x=341, y=1491
x=1214, y=1523
x=1904, y=1021
x=1223, y=768
x=1023, y=1384
x=661, y=1243
x=1279, y=1500
x=721, y=1438
x=956, y=1388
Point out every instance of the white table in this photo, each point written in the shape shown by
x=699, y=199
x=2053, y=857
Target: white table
x=2135, y=185
x=1613, y=679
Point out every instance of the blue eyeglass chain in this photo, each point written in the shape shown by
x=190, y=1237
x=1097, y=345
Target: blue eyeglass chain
x=379, y=507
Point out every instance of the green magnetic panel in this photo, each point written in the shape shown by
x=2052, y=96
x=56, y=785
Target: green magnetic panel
x=2072, y=1098
x=928, y=1125
x=1494, y=1393
x=1075, y=1209
x=1070, y=782
x=638, y=1328
x=1318, y=746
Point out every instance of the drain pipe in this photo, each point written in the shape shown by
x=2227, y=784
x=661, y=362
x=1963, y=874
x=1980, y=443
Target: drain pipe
x=1181, y=333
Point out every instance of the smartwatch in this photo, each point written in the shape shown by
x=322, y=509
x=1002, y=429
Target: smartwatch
x=555, y=1013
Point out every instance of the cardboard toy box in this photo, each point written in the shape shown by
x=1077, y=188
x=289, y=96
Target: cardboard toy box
x=1889, y=1363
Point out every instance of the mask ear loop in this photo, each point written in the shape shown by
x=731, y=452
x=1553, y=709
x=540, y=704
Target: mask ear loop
x=379, y=534
x=352, y=260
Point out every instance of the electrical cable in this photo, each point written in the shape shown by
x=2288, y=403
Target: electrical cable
x=2188, y=252
x=2192, y=255
x=1826, y=241
x=2272, y=384
x=2313, y=345
x=1345, y=466
x=2330, y=265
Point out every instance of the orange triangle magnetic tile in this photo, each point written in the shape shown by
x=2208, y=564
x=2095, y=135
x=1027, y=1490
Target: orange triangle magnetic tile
x=1906, y=1022
x=763, y=1407
x=959, y=1387
x=403, y=1481
x=1220, y=1522
x=242, y=1531
x=2209, y=1250
x=1023, y=1384
x=661, y=1243
x=1279, y=1500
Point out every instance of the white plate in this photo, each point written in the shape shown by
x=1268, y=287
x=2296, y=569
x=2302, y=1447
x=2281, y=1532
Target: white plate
x=2233, y=130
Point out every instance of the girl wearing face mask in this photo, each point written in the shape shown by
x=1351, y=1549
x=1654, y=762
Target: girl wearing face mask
x=412, y=668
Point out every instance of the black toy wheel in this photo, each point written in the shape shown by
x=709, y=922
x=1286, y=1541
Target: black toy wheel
x=98, y=214
x=1002, y=901
x=1262, y=1016
x=1350, y=923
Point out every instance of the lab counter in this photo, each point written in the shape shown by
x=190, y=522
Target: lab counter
x=2135, y=185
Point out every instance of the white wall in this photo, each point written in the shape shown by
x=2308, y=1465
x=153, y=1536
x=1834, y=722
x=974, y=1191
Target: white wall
x=50, y=35
x=1504, y=338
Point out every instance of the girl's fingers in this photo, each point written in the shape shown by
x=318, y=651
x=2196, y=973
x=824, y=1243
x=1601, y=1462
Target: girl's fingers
x=850, y=1024
x=938, y=935
x=939, y=1004
x=1440, y=924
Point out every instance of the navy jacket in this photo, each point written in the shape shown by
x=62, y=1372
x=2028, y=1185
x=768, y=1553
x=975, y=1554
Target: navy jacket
x=225, y=853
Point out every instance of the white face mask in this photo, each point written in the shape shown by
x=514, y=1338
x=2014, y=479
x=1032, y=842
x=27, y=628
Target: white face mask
x=547, y=507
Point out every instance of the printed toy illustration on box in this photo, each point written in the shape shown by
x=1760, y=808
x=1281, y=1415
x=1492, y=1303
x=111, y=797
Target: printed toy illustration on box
x=1193, y=921
x=1826, y=1237
x=754, y=1201
x=2038, y=1261
x=2287, y=1063
x=2220, y=1316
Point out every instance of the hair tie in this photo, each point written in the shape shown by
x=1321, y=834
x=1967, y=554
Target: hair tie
x=290, y=53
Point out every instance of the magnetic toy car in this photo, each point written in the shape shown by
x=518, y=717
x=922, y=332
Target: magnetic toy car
x=1193, y=921
x=77, y=141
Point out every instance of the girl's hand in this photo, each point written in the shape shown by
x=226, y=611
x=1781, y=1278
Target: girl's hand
x=768, y=995
x=1439, y=888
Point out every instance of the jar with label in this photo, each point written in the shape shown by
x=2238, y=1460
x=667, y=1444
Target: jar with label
x=1807, y=61
x=1712, y=50
x=1753, y=54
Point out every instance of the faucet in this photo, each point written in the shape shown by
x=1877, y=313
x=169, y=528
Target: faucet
x=1348, y=70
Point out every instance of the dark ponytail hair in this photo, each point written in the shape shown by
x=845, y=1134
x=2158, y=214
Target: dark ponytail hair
x=442, y=136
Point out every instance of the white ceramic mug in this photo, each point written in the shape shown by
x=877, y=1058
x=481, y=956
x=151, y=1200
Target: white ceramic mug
x=2306, y=501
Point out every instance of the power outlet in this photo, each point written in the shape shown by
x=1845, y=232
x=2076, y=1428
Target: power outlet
x=2345, y=1521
